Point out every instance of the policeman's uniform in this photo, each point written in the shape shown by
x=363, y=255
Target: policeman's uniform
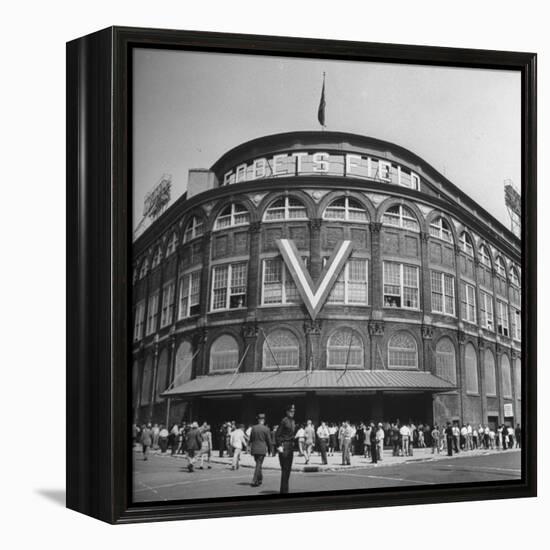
x=284, y=437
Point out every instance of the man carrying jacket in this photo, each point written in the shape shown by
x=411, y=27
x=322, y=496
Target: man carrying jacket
x=260, y=445
x=193, y=443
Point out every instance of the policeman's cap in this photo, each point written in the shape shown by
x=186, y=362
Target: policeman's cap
x=290, y=408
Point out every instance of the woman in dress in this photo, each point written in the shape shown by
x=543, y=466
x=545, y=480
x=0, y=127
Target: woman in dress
x=206, y=448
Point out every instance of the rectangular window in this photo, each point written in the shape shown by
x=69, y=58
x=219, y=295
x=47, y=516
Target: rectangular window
x=443, y=293
x=190, y=285
x=401, y=285
x=139, y=321
x=167, y=313
x=351, y=286
x=468, y=299
x=278, y=286
x=515, y=322
x=502, y=318
x=152, y=313
x=229, y=284
x=486, y=310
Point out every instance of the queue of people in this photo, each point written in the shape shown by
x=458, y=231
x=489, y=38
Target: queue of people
x=350, y=439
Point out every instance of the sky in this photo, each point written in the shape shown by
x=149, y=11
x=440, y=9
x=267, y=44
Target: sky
x=192, y=107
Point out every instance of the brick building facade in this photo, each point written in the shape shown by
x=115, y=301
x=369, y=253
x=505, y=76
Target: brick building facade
x=423, y=321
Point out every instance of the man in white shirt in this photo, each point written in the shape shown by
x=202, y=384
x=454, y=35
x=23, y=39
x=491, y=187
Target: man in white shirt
x=380, y=441
x=238, y=443
x=469, y=437
x=405, y=433
x=322, y=438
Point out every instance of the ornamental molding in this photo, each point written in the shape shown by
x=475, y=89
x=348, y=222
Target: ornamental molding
x=427, y=332
x=376, y=328
x=313, y=327
x=315, y=223
x=254, y=227
x=375, y=227
x=250, y=330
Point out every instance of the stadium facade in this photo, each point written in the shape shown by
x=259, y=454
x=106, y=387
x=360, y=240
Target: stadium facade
x=337, y=271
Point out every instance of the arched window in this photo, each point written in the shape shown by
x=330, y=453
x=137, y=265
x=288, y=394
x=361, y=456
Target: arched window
x=400, y=216
x=184, y=364
x=484, y=257
x=440, y=229
x=194, y=229
x=501, y=268
x=466, y=244
x=162, y=374
x=144, y=268
x=146, y=381
x=346, y=209
x=172, y=244
x=232, y=215
x=157, y=258
x=470, y=364
x=514, y=277
x=445, y=360
x=490, y=373
x=224, y=354
x=285, y=208
x=345, y=348
x=506, y=374
x=281, y=350
x=402, y=353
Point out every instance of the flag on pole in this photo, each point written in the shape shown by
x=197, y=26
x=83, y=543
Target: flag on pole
x=322, y=104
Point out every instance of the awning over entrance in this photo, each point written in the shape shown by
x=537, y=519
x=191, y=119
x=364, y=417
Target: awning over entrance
x=285, y=381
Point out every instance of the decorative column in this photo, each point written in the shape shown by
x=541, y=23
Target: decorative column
x=425, y=283
x=200, y=364
x=171, y=370
x=376, y=275
x=315, y=259
x=250, y=335
x=458, y=301
x=482, y=346
x=461, y=372
x=154, y=381
x=376, y=331
x=206, y=254
x=253, y=268
x=312, y=330
x=428, y=353
x=500, y=386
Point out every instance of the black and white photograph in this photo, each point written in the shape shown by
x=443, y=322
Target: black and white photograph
x=326, y=275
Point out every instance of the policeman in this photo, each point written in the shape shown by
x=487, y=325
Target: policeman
x=284, y=439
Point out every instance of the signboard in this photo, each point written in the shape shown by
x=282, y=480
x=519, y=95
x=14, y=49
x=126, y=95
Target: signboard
x=303, y=163
x=158, y=198
x=508, y=410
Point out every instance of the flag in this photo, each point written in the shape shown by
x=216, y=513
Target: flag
x=322, y=104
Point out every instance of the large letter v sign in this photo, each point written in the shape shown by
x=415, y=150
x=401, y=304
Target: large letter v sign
x=314, y=296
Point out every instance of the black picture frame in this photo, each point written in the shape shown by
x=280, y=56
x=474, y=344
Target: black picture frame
x=99, y=196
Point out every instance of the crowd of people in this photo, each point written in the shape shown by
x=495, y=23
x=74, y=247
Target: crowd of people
x=350, y=439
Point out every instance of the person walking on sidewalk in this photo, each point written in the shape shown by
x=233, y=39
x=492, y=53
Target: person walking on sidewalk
x=380, y=437
x=450, y=438
x=309, y=440
x=260, y=446
x=146, y=439
x=435, y=439
x=193, y=443
x=238, y=444
x=284, y=438
x=405, y=433
x=373, y=449
x=345, y=443
x=206, y=446
x=323, y=439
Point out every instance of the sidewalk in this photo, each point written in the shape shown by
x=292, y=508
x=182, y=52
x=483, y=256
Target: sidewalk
x=335, y=462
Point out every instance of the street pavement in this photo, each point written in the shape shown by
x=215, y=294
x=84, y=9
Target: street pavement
x=164, y=478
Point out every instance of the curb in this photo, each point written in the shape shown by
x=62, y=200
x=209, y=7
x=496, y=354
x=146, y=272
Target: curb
x=337, y=467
